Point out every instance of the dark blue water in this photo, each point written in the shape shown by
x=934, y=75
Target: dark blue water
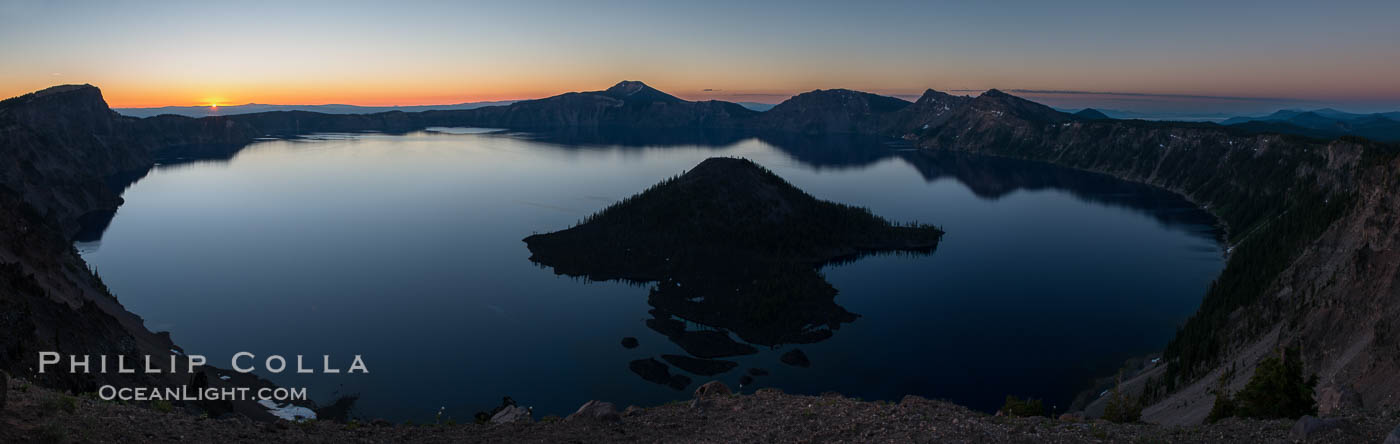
x=406, y=249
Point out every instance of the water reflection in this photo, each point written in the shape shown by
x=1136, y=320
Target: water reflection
x=988, y=177
x=406, y=248
x=727, y=310
x=993, y=178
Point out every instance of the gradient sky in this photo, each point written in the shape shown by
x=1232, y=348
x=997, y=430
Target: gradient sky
x=1245, y=55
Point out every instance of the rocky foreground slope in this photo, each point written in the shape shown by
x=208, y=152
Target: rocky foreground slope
x=40, y=415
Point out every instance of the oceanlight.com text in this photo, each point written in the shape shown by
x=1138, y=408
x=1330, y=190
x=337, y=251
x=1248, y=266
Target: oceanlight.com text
x=111, y=393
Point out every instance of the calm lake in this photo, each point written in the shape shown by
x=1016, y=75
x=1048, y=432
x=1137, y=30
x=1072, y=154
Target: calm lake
x=406, y=249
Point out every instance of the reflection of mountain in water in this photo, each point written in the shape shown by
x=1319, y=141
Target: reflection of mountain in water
x=987, y=177
x=735, y=250
x=630, y=138
x=815, y=150
x=836, y=151
x=995, y=177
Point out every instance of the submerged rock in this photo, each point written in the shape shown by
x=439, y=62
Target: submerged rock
x=758, y=371
x=733, y=248
x=4, y=389
x=629, y=342
x=654, y=371
x=703, y=367
x=796, y=358
x=704, y=343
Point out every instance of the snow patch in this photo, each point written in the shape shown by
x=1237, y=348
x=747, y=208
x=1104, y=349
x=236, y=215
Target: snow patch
x=288, y=412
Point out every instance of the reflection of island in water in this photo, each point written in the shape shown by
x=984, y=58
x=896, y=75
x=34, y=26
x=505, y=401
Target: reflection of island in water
x=732, y=248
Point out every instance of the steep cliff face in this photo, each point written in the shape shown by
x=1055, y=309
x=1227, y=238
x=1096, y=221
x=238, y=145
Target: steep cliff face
x=61, y=143
x=49, y=301
x=1309, y=221
x=66, y=147
x=1340, y=300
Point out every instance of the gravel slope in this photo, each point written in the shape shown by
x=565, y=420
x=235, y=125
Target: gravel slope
x=39, y=415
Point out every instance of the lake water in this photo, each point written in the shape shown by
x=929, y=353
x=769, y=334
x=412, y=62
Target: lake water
x=406, y=249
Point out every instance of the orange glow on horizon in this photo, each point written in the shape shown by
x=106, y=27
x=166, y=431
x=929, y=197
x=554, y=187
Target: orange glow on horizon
x=129, y=98
x=123, y=93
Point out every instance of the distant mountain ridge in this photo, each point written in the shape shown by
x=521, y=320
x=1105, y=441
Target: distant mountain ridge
x=1091, y=114
x=1324, y=123
x=631, y=104
x=1328, y=113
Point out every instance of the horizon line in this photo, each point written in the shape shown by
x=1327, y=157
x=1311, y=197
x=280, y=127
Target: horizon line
x=756, y=97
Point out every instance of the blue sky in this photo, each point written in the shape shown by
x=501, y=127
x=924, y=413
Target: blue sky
x=1261, y=55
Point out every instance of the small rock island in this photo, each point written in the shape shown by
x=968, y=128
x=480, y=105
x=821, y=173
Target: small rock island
x=723, y=212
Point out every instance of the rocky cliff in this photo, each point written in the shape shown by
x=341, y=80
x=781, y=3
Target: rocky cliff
x=1310, y=223
x=63, y=144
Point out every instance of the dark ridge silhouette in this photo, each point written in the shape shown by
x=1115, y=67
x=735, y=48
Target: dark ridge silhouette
x=1323, y=123
x=628, y=104
x=1091, y=114
x=831, y=111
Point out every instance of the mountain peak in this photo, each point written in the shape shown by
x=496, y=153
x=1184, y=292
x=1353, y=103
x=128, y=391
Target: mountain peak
x=628, y=87
x=633, y=90
x=1004, y=104
x=932, y=95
